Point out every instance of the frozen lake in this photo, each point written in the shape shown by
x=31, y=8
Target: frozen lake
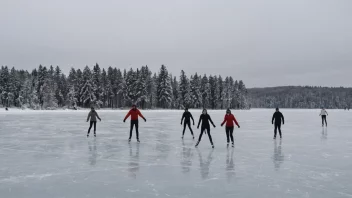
x=46, y=154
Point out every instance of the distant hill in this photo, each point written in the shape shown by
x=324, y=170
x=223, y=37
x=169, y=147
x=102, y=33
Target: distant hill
x=300, y=97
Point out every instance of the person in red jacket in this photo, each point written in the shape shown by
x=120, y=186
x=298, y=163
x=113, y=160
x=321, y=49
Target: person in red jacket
x=134, y=113
x=229, y=119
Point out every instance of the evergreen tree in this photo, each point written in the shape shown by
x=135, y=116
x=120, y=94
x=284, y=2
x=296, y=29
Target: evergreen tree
x=164, y=91
x=88, y=90
x=96, y=83
x=175, y=93
x=184, y=91
x=205, y=91
x=196, y=95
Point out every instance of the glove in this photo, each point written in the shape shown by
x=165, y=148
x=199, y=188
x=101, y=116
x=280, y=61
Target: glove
x=214, y=126
x=272, y=123
x=124, y=120
x=181, y=123
x=197, y=127
x=87, y=120
x=239, y=126
x=193, y=123
x=222, y=125
x=100, y=119
x=145, y=120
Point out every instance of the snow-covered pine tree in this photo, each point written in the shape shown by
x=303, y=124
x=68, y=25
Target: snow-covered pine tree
x=150, y=86
x=214, y=89
x=42, y=76
x=164, y=91
x=59, y=84
x=79, y=86
x=153, y=91
x=141, y=87
x=131, y=79
x=184, y=91
x=14, y=88
x=104, y=93
x=175, y=93
x=87, y=92
x=72, y=97
x=236, y=96
x=109, y=88
x=220, y=98
x=5, y=81
x=48, y=95
x=196, y=95
x=243, y=95
x=205, y=91
x=96, y=83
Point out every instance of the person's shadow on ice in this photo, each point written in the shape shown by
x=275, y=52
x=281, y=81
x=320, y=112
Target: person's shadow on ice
x=204, y=165
x=133, y=164
x=324, y=134
x=93, y=152
x=230, y=165
x=186, y=161
x=278, y=157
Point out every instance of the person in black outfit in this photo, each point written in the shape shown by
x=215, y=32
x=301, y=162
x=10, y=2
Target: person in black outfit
x=278, y=117
x=187, y=116
x=205, y=118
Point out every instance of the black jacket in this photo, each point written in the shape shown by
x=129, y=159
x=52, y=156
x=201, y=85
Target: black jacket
x=187, y=116
x=278, y=117
x=205, y=118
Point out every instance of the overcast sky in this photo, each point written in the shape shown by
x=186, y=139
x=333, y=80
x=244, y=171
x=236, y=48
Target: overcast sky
x=263, y=42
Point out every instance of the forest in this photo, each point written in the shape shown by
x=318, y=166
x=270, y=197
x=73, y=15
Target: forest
x=49, y=88
x=304, y=97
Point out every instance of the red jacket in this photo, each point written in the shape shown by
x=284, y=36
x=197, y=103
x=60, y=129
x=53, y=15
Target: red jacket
x=229, y=119
x=134, y=114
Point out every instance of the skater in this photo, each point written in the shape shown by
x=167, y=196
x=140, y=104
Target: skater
x=134, y=113
x=187, y=116
x=229, y=119
x=278, y=117
x=323, y=115
x=93, y=115
x=205, y=118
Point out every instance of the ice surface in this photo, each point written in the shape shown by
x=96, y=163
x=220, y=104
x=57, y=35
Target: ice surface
x=46, y=154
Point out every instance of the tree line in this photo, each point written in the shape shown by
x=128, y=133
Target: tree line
x=48, y=88
x=301, y=97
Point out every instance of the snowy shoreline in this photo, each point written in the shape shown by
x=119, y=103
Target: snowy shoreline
x=15, y=110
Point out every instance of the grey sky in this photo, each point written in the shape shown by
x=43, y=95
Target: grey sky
x=263, y=42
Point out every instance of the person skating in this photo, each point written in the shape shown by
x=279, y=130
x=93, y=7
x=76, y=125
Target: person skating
x=229, y=119
x=93, y=115
x=205, y=119
x=187, y=122
x=323, y=115
x=134, y=113
x=278, y=117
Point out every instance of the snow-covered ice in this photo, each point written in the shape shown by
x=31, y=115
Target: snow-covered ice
x=46, y=154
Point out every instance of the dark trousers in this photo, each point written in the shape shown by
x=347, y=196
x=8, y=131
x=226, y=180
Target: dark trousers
x=185, y=124
x=229, y=134
x=91, y=124
x=277, y=126
x=323, y=118
x=208, y=131
x=134, y=123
